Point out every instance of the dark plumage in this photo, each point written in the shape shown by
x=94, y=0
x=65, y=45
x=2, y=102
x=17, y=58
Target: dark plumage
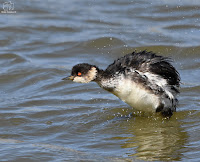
x=146, y=61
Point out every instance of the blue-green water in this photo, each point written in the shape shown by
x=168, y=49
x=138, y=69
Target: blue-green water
x=43, y=118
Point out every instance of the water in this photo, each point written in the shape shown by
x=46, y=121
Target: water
x=43, y=118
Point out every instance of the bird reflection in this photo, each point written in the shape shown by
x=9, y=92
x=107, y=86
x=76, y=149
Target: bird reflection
x=154, y=138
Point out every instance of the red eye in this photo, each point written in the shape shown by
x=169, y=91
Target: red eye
x=79, y=73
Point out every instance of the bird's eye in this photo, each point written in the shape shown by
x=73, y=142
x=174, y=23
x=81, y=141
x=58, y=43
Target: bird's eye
x=79, y=74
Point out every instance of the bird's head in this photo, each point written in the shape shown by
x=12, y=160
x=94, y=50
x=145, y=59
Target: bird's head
x=83, y=73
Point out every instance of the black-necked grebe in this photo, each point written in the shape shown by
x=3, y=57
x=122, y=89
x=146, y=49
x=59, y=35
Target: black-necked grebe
x=144, y=80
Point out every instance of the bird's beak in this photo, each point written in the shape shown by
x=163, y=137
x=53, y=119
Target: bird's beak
x=68, y=78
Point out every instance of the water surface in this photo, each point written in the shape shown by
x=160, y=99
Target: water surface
x=43, y=118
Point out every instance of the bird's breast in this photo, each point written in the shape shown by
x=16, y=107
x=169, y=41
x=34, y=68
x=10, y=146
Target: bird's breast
x=133, y=94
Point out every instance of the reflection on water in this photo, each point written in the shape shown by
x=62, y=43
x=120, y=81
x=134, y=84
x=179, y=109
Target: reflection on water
x=152, y=137
x=156, y=139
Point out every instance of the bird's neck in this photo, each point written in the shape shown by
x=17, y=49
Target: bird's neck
x=102, y=79
x=99, y=74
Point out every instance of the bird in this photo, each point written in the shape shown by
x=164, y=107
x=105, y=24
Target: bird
x=144, y=80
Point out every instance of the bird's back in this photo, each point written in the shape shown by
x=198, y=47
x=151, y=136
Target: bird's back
x=145, y=62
